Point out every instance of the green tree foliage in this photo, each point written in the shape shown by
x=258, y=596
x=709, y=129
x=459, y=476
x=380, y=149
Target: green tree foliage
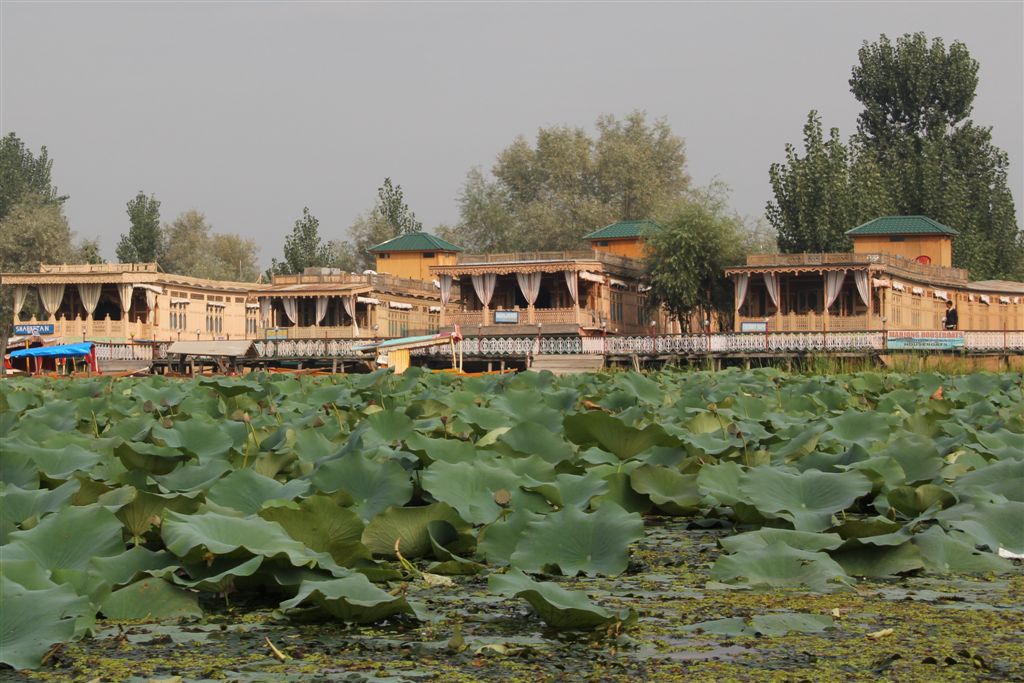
x=917, y=98
x=87, y=251
x=915, y=152
x=303, y=248
x=822, y=194
x=393, y=209
x=33, y=228
x=697, y=239
x=547, y=195
x=143, y=243
x=192, y=248
x=23, y=173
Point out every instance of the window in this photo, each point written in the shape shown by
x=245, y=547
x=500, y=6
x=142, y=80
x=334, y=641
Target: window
x=616, y=306
x=897, y=238
x=602, y=243
x=178, y=319
x=214, y=319
x=428, y=254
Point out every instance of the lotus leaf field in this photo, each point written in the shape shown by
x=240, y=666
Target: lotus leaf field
x=676, y=525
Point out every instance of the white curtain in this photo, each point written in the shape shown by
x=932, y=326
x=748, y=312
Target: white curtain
x=265, y=311
x=740, y=294
x=833, y=283
x=125, y=289
x=291, y=308
x=50, y=297
x=860, y=278
x=150, y=300
x=483, y=285
x=90, y=295
x=20, y=292
x=446, y=289
x=771, y=283
x=349, y=302
x=572, y=281
x=321, y=309
x=529, y=285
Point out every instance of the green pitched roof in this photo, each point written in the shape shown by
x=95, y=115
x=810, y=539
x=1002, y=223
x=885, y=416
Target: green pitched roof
x=415, y=241
x=902, y=225
x=621, y=230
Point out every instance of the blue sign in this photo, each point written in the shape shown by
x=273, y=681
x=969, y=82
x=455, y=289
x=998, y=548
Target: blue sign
x=33, y=329
x=506, y=317
x=276, y=333
x=753, y=326
x=925, y=341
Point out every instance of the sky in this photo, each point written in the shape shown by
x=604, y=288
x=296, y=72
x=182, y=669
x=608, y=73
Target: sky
x=249, y=111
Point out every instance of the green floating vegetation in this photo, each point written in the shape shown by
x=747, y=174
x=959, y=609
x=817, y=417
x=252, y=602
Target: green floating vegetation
x=353, y=499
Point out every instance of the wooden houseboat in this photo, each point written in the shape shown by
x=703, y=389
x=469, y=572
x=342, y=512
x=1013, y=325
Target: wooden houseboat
x=899, y=276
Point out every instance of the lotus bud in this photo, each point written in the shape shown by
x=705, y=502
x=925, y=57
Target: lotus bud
x=502, y=497
x=237, y=415
x=246, y=419
x=318, y=422
x=272, y=409
x=165, y=403
x=168, y=423
x=148, y=406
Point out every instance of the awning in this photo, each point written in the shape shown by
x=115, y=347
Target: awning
x=1004, y=299
x=179, y=300
x=643, y=288
x=78, y=350
x=881, y=282
x=216, y=304
x=917, y=290
x=617, y=283
x=591, y=277
x=252, y=305
x=153, y=288
x=898, y=286
x=400, y=305
x=435, y=309
x=367, y=300
x=940, y=294
x=985, y=299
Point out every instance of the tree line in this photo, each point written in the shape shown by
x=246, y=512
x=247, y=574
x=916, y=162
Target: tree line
x=915, y=151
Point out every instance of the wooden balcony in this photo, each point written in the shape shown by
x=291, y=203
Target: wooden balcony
x=888, y=261
x=544, y=316
x=811, y=322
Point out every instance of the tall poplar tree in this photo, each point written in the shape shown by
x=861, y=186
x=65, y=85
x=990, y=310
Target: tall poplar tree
x=143, y=243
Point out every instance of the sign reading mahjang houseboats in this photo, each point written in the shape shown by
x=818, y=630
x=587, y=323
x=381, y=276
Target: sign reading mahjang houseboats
x=506, y=317
x=32, y=330
x=926, y=341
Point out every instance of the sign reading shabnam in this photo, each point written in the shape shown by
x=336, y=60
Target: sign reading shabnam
x=30, y=330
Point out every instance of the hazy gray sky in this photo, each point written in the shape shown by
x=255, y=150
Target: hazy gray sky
x=249, y=111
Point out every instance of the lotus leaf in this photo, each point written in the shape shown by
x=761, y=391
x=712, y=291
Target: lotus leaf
x=571, y=489
x=56, y=463
x=861, y=428
x=205, y=440
x=808, y=499
x=575, y=541
x=31, y=621
x=779, y=566
x=800, y=540
x=409, y=527
x=68, y=539
x=498, y=541
x=911, y=501
x=324, y=526
x=470, y=488
x=674, y=493
x=147, y=457
x=879, y=561
x=945, y=553
x=122, y=569
x=193, y=477
x=247, y=491
x=150, y=599
x=350, y=598
x=217, y=576
x=528, y=439
x=556, y=606
x=611, y=434
x=374, y=485
x=191, y=537
x=995, y=526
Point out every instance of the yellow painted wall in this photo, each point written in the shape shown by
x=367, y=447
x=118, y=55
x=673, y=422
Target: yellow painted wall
x=412, y=264
x=632, y=247
x=937, y=247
